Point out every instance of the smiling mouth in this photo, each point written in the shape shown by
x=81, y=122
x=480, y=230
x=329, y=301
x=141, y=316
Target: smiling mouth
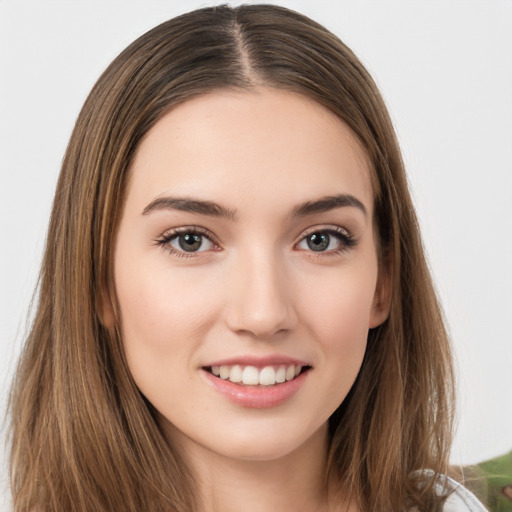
x=253, y=376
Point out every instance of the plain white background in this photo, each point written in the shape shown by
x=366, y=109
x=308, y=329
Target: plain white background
x=445, y=69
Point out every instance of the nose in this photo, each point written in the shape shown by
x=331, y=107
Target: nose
x=261, y=297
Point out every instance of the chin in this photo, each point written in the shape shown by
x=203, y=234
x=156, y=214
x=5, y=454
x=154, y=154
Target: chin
x=265, y=443
x=258, y=451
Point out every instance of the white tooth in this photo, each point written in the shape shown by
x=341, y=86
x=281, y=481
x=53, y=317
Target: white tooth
x=281, y=374
x=290, y=372
x=268, y=376
x=235, y=375
x=250, y=376
x=224, y=372
x=297, y=370
x=216, y=370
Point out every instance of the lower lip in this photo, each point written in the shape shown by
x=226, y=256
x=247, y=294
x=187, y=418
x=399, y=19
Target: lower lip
x=256, y=397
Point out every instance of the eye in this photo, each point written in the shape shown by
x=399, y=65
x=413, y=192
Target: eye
x=327, y=240
x=191, y=242
x=186, y=242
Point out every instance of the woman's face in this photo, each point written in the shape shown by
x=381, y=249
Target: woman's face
x=246, y=271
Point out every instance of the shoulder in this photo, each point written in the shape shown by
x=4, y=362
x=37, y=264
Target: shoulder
x=459, y=498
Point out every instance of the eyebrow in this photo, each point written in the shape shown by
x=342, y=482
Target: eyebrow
x=328, y=203
x=190, y=205
x=212, y=209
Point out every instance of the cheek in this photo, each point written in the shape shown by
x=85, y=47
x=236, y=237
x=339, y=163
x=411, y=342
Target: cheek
x=340, y=307
x=339, y=313
x=157, y=304
x=164, y=317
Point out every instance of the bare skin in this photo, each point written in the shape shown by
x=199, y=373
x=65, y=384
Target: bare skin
x=232, y=252
x=288, y=483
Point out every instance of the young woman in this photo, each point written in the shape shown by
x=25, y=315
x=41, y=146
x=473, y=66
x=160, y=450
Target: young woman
x=235, y=309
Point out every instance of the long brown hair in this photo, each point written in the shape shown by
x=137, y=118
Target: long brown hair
x=83, y=437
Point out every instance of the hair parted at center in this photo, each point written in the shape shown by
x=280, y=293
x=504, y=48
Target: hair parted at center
x=83, y=436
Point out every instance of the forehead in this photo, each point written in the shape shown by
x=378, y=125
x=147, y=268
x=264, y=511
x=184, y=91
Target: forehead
x=270, y=145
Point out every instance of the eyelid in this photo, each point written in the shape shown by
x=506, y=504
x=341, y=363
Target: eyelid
x=170, y=233
x=325, y=227
x=346, y=239
x=165, y=238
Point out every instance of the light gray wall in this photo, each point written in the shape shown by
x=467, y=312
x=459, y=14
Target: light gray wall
x=445, y=68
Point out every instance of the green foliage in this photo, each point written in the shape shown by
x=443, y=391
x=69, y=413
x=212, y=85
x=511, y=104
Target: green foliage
x=488, y=481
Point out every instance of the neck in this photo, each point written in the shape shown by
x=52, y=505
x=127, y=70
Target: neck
x=295, y=482
x=289, y=483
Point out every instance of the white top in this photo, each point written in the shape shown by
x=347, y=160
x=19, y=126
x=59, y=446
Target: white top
x=460, y=500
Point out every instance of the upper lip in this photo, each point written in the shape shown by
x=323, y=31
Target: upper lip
x=258, y=361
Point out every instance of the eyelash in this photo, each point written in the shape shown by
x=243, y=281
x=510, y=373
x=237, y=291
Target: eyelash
x=345, y=238
x=165, y=240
